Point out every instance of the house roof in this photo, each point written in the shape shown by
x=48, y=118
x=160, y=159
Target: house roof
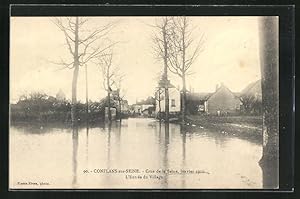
x=198, y=96
x=203, y=96
x=251, y=86
x=224, y=87
x=254, y=89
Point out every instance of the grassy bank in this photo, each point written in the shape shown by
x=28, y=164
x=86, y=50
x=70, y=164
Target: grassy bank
x=249, y=127
x=254, y=121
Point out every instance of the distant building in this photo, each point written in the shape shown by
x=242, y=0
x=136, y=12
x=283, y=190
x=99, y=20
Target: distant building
x=148, y=110
x=221, y=102
x=142, y=107
x=136, y=109
x=60, y=95
x=146, y=106
x=174, y=100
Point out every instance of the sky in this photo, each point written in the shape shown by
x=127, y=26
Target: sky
x=230, y=56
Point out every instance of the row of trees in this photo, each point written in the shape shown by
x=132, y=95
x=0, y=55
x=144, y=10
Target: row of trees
x=89, y=45
x=175, y=45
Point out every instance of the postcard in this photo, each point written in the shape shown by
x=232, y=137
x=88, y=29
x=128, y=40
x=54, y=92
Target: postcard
x=144, y=102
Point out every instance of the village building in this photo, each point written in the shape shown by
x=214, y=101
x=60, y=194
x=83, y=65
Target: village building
x=142, y=108
x=148, y=110
x=146, y=107
x=135, y=109
x=174, y=100
x=221, y=102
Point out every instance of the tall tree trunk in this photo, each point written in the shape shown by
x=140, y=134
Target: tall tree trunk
x=74, y=155
x=159, y=106
x=86, y=95
x=108, y=94
x=120, y=109
x=75, y=76
x=109, y=125
x=183, y=71
x=167, y=104
x=270, y=97
x=183, y=98
x=108, y=106
x=165, y=75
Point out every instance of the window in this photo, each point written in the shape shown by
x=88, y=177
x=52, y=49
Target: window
x=173, y=103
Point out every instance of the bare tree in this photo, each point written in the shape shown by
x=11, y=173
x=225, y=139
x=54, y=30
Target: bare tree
x=251, y=103
x=86, y=94
x=120, y=95
x=161, y=46
x=248, y=101
x=109, y=74
x=83, y=45
x=182, y=52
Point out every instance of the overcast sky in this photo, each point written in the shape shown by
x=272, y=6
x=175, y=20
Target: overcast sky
x=230, y=56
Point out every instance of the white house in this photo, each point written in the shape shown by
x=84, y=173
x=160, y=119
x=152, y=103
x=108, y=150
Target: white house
x=174, y=100
x=135, y=108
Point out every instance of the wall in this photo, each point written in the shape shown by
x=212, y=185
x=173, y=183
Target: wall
x=223, y=100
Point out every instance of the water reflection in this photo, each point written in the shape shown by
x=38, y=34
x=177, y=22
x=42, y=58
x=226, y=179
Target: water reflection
x=165, y=154
x=74, y=155
x=109, y=124
x=118, y=138
x=87, y=144
x=183, y=165
x=226, y=162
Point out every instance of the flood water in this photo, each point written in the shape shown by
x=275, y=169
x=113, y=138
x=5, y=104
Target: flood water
x=137, y=153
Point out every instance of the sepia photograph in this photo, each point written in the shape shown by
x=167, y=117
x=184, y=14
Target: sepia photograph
x=144, y=102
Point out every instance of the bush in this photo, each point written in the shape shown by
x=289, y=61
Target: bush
x=42, y=108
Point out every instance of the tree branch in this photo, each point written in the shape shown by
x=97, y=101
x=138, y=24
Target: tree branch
x=97, y=52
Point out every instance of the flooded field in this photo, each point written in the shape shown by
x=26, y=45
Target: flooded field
x=135, y=153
